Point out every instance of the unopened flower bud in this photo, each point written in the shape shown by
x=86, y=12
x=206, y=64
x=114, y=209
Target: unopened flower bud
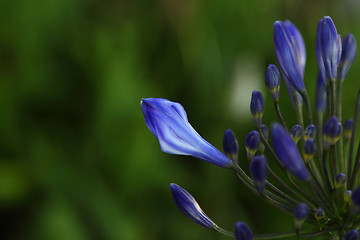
x=348, y=125
x=348, y=54
x=296, y=133
x=257, y=107
x=301, y=212
x=351, y=235
x=340, y=180
x=332, y=132
x=252, y=142
x=272, y=81
x=188, y=206
x=310, y=132
x=230, y=145
x=243, y=232
x=319, y=213
x=258, y=170
x=309, y=149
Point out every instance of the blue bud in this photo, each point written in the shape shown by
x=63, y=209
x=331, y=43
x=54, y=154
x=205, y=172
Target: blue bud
x=299, y=46
x=252, y=142
x=351, y=235
x=310, y=132
x=272, y=81
x=265, y=131
x=348, y=125
x=320, y=97
x=301, y=212
x=355, y=196
x=348, y=54
x=258, y=170
x=309, y=149
x=243, y=232
x=287, y=54
x=188, y=206
x=332, y=132
x=257, y=107
x=296, y=133
x=285, y=148
x=230, y=145
x=328, y=48
x=340, y=179
x=168, y=122
x=347, y=195
x=319, y=213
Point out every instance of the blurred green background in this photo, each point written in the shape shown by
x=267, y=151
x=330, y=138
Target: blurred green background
x=76, y=158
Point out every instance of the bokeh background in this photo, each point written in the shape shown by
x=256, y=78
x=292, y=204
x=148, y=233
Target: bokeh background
x=76, y=158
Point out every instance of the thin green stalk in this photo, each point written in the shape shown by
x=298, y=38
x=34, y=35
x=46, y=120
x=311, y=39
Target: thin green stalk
x=326, y=172
x=277, y=109
x=352, y=140
x=307, y=104
x=332, y=92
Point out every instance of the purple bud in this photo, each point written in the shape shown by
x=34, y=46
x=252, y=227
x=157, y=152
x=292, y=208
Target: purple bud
x=287, y=54
x=310, y=132
x=188, y=206
x=230, y=145
x=328, y=48
x=296, y=133
x=320, y=97
x=348, y=54
x=272, y=81
x=243, y=232
x=258, y=170
x=257, y=107
x=252, y=142
x=285, y=148
x=309, y=149
x=355, y=196
x=348, y=125
x=351, y=235
x=332, y=132
x=301, y=212
x=340, y=179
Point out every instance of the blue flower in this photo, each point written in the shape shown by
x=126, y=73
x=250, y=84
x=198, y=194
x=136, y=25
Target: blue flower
x=310, y=132
x=289, y=54
x=188, y=206
x=168, y=122
x=243, y=232
x=309, y=149
x=296, y=132
x=252, y=142
x=332, y=132
x=348, y=54
x=287, y=152
x=328, y=48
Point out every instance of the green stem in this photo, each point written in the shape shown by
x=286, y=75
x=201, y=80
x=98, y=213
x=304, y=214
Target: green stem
x=352, y=140
x=277, y=109
x=307, y=104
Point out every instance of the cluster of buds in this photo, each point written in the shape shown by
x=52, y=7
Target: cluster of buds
x=318, y=180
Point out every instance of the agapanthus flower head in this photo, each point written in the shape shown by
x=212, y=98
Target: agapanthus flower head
x=349, y=48
x=230, y=145
x=188, y=206
x=318, y=185
x=328, y=48
x=352, y=235
x=296, y=132
x=258, y=171
x=288, y=54
x=243, y=232
x=285, y=148
x=168, y=122
x=257, y=107
x=252, y=142
x=273, y=81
